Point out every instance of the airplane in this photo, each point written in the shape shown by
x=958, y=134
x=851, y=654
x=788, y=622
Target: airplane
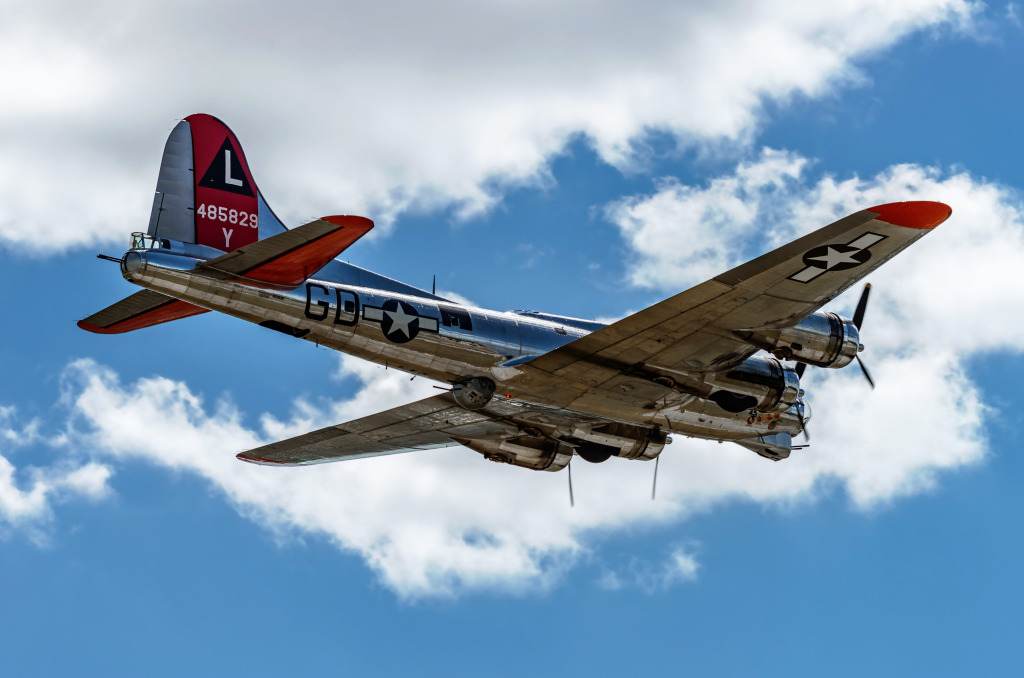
x=720, y=361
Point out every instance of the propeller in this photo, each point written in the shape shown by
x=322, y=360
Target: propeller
x=654, y=485
x=803, y=423
x=568, y=467
x=858, y=320
x=864, y=369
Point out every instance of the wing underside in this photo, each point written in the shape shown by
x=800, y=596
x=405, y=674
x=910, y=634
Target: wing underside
x=434, y=422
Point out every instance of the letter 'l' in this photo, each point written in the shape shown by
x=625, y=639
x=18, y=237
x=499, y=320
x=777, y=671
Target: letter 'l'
x=227, y=170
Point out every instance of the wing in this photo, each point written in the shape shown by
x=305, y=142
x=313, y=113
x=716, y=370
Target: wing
x=694, y=330
x=434, y=422
x=142, y=309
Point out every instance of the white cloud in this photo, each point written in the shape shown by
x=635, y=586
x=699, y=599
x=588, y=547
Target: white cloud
x=685, y=234
x=1013, y=14
x=379, y=107
x=27, y=495
x=679, y=566
x=456, y=297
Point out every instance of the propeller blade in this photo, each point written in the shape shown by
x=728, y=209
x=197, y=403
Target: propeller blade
x=803, y=424
x=800, y=367
x=568, y=467
x=862, y=305
x=864, y=369
x=654, y=486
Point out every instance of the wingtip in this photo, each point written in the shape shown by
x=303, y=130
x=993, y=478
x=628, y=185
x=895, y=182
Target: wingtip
x=918, y=214
x=349, y=220
x=95, y=329
x=262, y=461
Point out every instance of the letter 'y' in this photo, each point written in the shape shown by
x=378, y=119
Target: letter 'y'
x=227, y=236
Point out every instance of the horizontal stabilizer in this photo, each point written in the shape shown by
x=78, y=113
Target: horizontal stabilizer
x=290, y=258
x=142, y=309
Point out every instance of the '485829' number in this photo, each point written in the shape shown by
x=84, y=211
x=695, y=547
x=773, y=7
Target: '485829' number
x=228, y=216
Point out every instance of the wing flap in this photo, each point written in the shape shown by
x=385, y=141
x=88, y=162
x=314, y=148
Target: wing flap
x=142, y=309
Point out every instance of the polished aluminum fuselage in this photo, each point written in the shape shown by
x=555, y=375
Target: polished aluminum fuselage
x=422, y=334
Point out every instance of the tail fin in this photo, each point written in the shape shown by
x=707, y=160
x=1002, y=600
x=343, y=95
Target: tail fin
x=205, y=193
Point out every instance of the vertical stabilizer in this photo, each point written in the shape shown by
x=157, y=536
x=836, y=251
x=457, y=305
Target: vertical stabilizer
x=174, y=202
x=205, y=192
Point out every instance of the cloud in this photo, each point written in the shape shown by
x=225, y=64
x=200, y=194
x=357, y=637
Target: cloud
x=679, y=566
x=683, y=235
x=27, y=495
x=384, y=107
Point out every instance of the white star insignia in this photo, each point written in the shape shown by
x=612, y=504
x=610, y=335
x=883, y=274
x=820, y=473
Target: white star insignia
x=400, y=321
x=834, y=257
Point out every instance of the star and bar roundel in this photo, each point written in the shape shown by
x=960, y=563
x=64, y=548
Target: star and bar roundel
x=836, y=257
x=399, y=321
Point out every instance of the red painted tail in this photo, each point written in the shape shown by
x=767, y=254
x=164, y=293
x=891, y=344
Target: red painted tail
x=227, y=210
x=206, y=193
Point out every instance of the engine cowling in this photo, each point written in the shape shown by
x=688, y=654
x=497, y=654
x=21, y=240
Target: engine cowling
x=539, y=454
x=595, y=444
x=822, y=339
x=598, y=443
x=758, y=383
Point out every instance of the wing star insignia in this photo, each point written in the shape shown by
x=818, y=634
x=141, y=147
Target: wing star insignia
x=836, y=257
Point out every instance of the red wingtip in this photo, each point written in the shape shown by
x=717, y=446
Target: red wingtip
x=351, y=221
x=96, y=329
x=919, y=214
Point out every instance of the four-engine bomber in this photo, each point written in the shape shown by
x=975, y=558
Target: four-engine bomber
x=526, y=388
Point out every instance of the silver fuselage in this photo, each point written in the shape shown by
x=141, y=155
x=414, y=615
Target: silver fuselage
x=414, y=331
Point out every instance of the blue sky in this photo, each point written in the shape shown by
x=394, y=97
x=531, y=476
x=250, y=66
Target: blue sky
x=525, y=172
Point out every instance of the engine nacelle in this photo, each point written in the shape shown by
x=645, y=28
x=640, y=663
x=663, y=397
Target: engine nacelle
x=822, y=339
x=539, y=454
x=758, y=383
x=600, y=442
